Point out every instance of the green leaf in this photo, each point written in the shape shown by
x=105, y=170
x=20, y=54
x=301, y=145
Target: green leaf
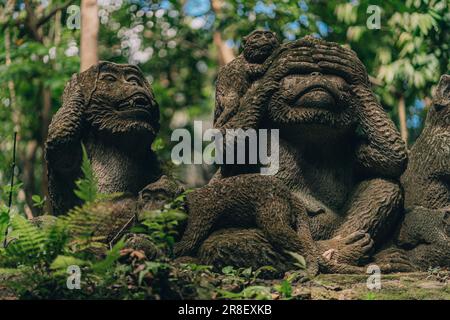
x=284, y=288
x=111, y=257
x=228, y=270
x=300, y=260
x=62, y=262
x=87, y=186
x=37, y=201
x=4, y=223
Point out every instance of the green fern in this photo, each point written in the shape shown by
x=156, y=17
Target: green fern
x=30, y=244
x=4, y=224
x=86, y=187
x=82, y=223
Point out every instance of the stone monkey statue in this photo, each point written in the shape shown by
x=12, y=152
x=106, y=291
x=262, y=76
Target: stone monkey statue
x=111, y=109
x=425, y=231
x=339, y=152
x=156, y=194
x=280, y=216
x=235, y=77
x=427, y=178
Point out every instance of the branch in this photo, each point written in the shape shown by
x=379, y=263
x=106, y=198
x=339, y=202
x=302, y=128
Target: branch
x=47, y=17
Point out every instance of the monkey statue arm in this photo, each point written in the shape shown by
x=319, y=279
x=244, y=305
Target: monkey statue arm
x=253, y=105
x=382, y=151
x=63, y=147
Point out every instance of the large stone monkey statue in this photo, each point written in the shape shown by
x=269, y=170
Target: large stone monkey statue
x=112, y=110
x=340, y=156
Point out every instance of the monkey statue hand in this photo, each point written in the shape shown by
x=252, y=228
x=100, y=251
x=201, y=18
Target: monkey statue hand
x=382, y=151
x=253, y=104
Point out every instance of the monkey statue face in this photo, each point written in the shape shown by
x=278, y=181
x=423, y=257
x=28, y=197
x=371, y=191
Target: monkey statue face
x=121, y=101
x=312, y=104
x=439, y=113
x=155, y=195
x=259, y=45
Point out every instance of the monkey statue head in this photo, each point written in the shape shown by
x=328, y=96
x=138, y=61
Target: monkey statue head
x=155, y=195
x=439, y=114
x=311, y=102
x=119, y=101
x=259, y=45
x=111, y=109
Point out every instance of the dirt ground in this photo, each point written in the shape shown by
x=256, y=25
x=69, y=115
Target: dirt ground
x=403, y=286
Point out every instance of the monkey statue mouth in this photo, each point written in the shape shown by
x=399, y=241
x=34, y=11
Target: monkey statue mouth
x=137, y=113
x=137, y=106
x=319, y=96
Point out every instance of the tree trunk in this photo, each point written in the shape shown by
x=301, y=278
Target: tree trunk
x=46, y=114
x=402, y=119
x=89, y=34
x=29, y=159
x=226, y=54
x=12, y=90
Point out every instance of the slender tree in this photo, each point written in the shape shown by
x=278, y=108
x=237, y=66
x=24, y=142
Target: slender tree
x=89, y=34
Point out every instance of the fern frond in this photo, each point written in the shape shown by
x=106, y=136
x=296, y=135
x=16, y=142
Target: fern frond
x=86, y=187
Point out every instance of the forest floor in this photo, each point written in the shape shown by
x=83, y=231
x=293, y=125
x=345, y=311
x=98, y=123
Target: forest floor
x=402, y=286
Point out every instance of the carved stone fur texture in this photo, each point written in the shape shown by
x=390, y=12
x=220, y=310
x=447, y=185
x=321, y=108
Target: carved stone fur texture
x=111, y=109
x=425, y=231
x=235, y=77
x=340, y=156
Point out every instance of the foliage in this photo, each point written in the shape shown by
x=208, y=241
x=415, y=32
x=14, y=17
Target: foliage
x=173, y=44
x=162, y=225
x=87, y=186
x=41, y=251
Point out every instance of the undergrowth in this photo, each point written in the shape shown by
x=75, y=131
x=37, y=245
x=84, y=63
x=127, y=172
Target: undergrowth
x=37, y=256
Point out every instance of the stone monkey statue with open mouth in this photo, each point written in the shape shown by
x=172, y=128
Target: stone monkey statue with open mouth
x=111, y=109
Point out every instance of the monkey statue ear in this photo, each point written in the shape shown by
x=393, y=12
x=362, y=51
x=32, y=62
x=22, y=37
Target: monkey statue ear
x=442, y=96
x=244, y=40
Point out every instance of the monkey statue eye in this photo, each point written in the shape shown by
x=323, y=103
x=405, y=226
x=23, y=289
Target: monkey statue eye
x=109, y=77
x=134, y=81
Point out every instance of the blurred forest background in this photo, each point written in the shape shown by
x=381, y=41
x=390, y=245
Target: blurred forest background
x=180, y=45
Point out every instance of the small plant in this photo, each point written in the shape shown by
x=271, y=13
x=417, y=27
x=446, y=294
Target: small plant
x=163, y=225
x=370, y=296
x=285, y=289
x=86, y=187
x=38, y=201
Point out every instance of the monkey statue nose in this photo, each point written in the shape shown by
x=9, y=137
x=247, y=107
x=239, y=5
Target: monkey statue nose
x=316, y=74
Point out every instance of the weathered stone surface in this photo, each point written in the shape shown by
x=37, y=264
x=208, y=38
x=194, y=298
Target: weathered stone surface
x=340, y=158
x=425, y=231
x=111, y=109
